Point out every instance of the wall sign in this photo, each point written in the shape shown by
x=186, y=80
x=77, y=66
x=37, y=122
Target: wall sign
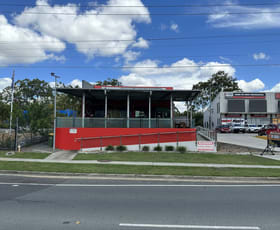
x=277, y=95
x=245, y=95
x=73, y=131
x=206, y=146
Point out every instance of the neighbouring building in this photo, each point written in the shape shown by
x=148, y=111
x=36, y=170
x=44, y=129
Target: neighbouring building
x=243, y=107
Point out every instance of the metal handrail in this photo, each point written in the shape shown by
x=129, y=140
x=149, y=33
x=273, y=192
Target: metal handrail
x=101, y=138
x=134, y=135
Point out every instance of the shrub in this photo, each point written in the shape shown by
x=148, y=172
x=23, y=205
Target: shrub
x=109, y=148
x=146, y=148
x=158, y=148
x=121, y=148
x=169, y=148
x=181, y=149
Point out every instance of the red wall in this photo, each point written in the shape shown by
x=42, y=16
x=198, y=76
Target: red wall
x=66, y=141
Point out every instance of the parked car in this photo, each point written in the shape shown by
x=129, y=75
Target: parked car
x=251, y=128
x=223, y=129
x=267, y=129
x=237, y=128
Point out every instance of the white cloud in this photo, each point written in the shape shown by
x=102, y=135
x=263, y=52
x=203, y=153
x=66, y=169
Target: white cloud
x=174, y=27
x=4, y=82
x=80, y=25
x=141, y=43
x=184, y=77
x=246, y=20
x=251, y=86
x=76, y=82
x=179, y=78
x=260, y=56
x=130, y=56
x=276, y=88
x=24, y=46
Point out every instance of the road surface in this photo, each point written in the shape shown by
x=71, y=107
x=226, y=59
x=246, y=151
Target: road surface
x=33, y=203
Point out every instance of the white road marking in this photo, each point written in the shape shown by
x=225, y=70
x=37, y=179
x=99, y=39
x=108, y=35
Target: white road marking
x=144, y=185
x=15, y=185
x=190, y=226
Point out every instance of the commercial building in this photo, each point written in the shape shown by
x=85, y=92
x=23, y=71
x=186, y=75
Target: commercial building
x=243, y=107
x=122, y=111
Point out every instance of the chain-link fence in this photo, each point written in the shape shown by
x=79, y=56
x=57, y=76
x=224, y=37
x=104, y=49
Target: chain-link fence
x=20, y=136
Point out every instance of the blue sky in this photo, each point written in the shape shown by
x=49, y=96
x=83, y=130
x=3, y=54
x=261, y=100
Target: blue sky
x=77, y=44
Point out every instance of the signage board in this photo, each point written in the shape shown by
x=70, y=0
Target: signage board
x=206, y=146
x=73, y=131
x=245, y=95
x=277, y=95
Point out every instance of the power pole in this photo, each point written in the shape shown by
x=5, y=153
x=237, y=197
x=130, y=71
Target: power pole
x=12, y=101
x=54, y=122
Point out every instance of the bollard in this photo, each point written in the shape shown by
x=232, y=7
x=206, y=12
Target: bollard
x=19, y=148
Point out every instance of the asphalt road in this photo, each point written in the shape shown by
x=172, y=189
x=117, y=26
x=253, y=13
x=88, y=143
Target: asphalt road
x=35, y=203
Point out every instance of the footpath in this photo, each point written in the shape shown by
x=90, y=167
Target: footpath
x=48, y=160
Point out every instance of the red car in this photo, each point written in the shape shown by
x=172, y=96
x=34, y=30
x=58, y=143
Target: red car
x=223, y=129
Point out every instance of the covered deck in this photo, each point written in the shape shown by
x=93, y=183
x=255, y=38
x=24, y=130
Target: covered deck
x=127, y=107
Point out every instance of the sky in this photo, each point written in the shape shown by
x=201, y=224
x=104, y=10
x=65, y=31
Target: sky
x=141, y=42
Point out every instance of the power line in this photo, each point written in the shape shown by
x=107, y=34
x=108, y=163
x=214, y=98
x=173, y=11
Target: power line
x=161, y=57
x=153, y=39
x=144, y=6
x=145, y=67
x=146, y=14
x=153, y=46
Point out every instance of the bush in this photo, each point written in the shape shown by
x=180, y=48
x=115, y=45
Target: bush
x=121, y=148
x=109, y=148
x=146, y=148
x=158, y=148
x=169, y=148
x=181, y=149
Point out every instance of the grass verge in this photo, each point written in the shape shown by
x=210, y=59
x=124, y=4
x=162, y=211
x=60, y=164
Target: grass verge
x=26, y=155
x=148, y=170
x=179, y=158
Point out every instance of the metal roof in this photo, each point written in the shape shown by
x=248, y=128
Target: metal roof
x=158, y=93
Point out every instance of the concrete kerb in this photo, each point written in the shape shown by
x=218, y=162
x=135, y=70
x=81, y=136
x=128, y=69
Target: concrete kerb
x=142, y=177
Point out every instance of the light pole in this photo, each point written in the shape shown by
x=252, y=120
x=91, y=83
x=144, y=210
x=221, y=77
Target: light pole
x=54, y=111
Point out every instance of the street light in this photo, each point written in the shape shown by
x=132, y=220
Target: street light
x=54, y=121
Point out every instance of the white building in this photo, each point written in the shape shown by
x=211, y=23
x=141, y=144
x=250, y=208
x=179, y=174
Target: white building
x=243, y=107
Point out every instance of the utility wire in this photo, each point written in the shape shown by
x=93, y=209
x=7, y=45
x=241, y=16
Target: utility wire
x=161, y=57
x=145, y=67
x=147, y=14
x=144, y=6
x=153, y=46
x=154, y=39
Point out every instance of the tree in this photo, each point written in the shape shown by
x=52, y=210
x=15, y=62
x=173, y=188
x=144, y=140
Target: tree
x=109, y=81
x=32, y=102
x=4, y=113
x=211, y=88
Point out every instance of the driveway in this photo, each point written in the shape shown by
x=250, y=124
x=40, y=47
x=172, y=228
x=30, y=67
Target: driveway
x=242, y=139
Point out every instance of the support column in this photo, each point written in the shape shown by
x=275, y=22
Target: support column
x=191, y=115
x=106, y=109
x=171, y=111
x=127, y=125
x=83, y=110
x=150, y=106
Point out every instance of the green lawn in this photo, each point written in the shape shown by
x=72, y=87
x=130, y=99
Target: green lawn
x=149, y=170
x=26, y=155
x=179, y=157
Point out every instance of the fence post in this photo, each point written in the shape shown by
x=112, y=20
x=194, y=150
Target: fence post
x=177, y=139
x=101, y=143
x=120, y=140
x=81, y=143
x=158, y=138
x=139, y=142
